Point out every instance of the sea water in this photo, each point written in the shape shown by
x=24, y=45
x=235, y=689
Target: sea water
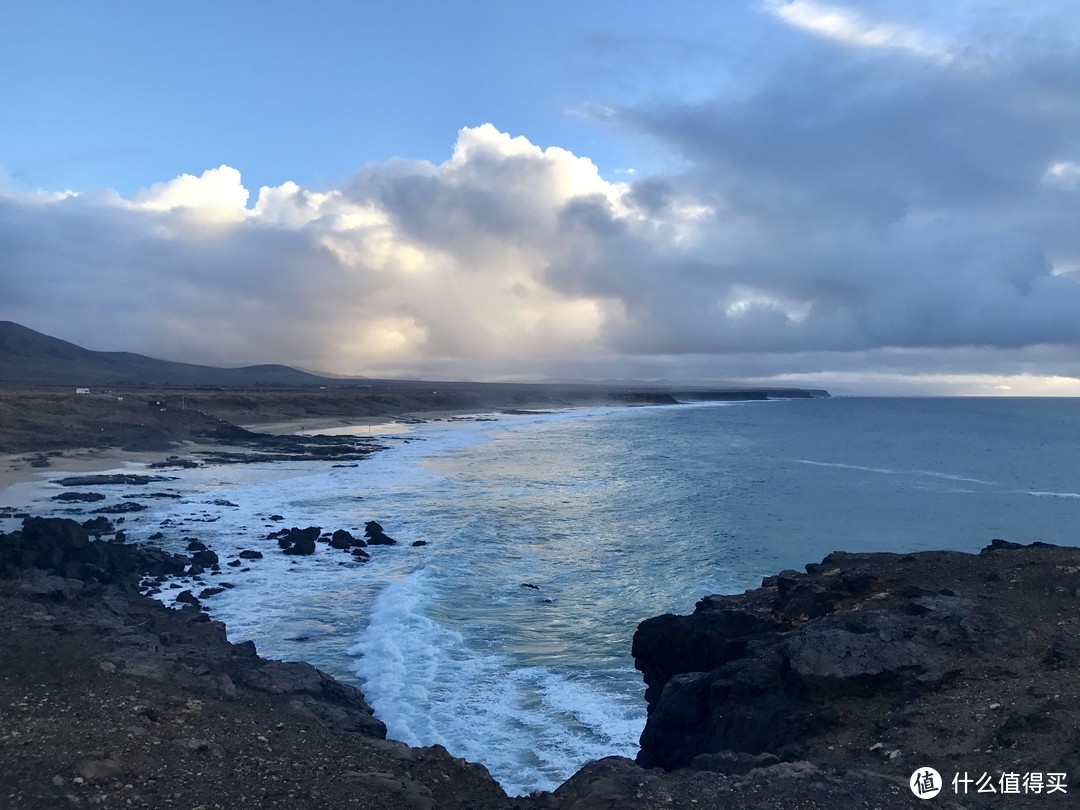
x=549, y=537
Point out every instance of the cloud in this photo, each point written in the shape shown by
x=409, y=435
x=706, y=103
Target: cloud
x=216, y=195
x=851, y=28
x=873, y=212
x=410, y=263
x=1063, y=174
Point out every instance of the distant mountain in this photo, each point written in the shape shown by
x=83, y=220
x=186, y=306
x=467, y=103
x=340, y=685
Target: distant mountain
x=27, y=356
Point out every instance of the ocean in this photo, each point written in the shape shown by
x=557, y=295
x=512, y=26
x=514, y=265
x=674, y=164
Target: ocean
x=550, y=536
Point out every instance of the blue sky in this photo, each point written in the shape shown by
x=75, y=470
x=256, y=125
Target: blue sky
x=875, y=196
x=311, y=92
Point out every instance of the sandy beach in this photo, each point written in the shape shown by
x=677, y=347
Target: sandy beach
x=22, y=468
x=51, y=428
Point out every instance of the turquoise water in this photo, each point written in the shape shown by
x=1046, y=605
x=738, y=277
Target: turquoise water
x=613, y=515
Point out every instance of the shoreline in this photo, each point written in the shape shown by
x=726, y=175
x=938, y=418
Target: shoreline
x=463, y=425
x=853, y=762
x=171, y=714
x=27, y=467
x=22, y=468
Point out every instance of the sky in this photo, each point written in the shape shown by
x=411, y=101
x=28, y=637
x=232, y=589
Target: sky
x=876, y=197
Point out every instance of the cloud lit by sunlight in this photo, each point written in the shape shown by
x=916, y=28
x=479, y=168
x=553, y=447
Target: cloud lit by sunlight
x=852, y=28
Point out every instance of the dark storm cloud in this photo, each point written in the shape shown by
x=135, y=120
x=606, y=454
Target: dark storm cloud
x=885, y=200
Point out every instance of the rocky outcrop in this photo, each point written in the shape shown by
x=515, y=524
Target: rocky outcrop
x=204, y=558
x=63, y=547
x=297, y=541
x=111, y=480
x=343, y=539
x=375, y=535
x=822, y=689
x=78, y=497
x=835, y=664
x=158, y=643
x=120, y=508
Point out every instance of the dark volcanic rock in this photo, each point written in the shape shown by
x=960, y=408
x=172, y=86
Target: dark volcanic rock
x=120, y=508
x=204, y=558
x=315, y=694
x=111, y=480
x=858, y=637
x=297, y=541
x=250, y=555
x=64, y=548
x=99, y=526
x=342, y=539
x=79, y=497
x=376, y=536
x=236, y=729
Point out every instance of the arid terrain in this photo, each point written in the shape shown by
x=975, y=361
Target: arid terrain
x=820, y=690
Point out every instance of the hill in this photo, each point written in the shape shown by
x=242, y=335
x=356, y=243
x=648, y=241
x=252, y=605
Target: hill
x=30, y=357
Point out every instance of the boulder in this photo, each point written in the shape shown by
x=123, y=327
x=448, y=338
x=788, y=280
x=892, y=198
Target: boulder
x=99, y=526
x=299, y=541
x=376, y=536
x=204, y=559
x=304, y=546
x=342, y=539
x=188, y=598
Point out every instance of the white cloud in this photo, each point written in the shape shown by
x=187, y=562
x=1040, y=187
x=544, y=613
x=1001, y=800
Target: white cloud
x=851, y=28
x=411, y=262
x=215, y=195
x=1062, y=174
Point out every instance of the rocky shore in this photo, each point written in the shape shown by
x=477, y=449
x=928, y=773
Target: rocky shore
x=879, y=662
x=820, y=689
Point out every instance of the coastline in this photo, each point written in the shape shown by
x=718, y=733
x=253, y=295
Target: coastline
x=836, y=780
x=455, y=427
x=20, y=468
x=170, y=714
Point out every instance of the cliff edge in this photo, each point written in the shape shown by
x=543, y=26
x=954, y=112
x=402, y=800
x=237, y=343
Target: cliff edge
x=885, y=662
x=819, y=690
